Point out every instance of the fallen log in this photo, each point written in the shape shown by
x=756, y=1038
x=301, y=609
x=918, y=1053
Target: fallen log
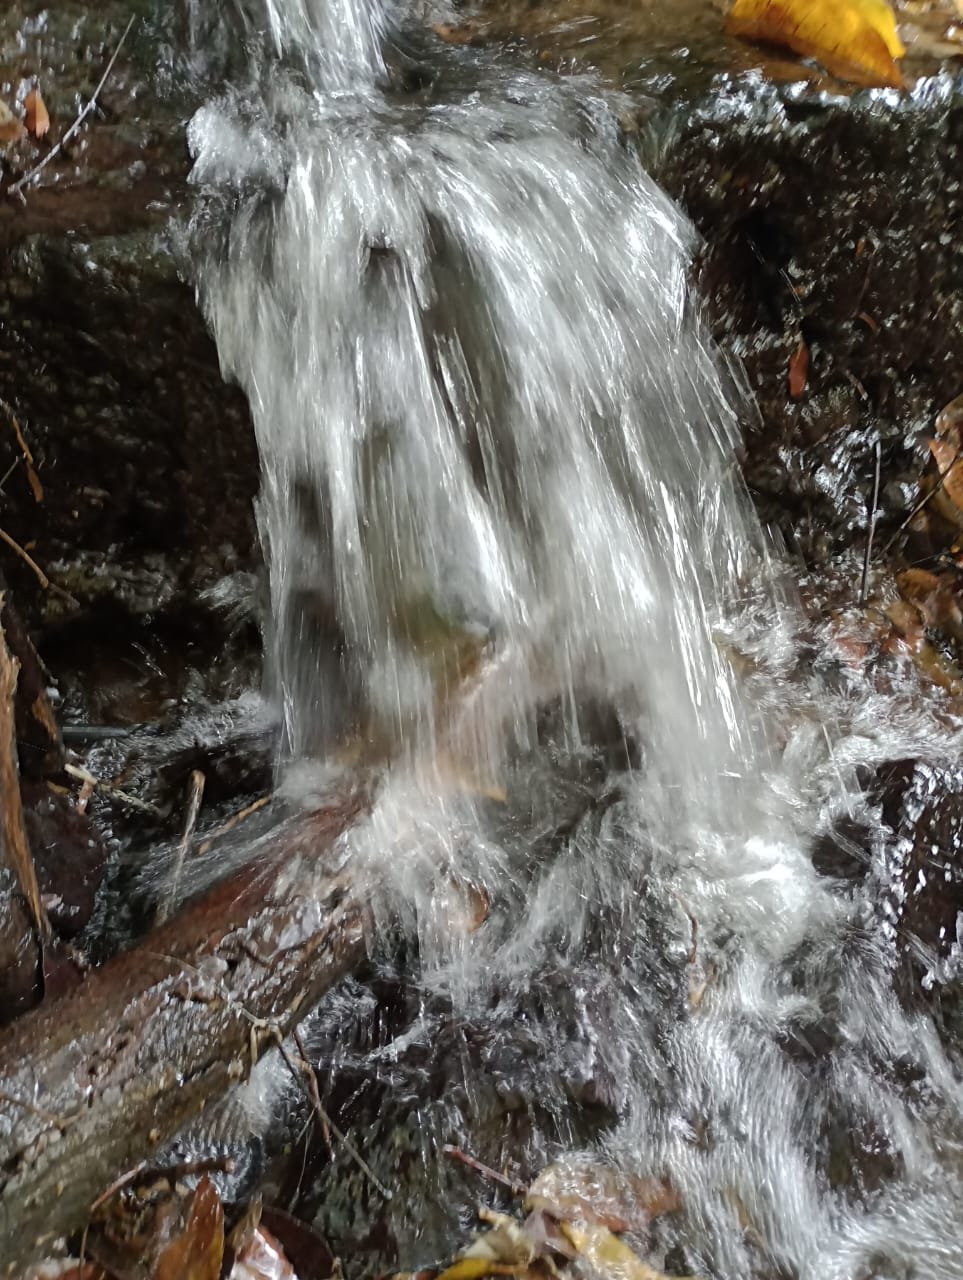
x=93, y=1083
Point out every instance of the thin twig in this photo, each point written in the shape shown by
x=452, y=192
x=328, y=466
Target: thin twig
x=195, y=796
x=36, y=488
x=9, y=472
x=306, y=1078
x=82, y=775
x=27, y=558
x=871, y=532
x=940, y=480
x=17, y=188
x=323, y=1115
x=233, y=821
x=456, y=1153
x=48, y=1117
x=29, y=561
x=172, y=1172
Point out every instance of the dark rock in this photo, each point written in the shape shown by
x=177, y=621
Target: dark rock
x=68, y=855
x=19, y=953
x=830, y=222
x=147, y=459
x=831, y=217
x=923, y=878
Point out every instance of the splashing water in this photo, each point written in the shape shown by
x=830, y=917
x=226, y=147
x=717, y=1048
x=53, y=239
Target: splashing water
x=506, y=541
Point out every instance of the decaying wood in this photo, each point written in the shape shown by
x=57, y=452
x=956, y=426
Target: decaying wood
x=93, y=1084
x=40, y=747
x=15, y=853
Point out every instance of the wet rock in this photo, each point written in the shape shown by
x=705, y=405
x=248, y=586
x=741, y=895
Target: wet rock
x=69, y=856
x=147, y=459
x=923, y=890
x=827, y=215
x=20, y=978
x=830, y=220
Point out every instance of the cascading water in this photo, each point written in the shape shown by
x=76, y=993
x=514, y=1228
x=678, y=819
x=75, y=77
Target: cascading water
x=500, y=512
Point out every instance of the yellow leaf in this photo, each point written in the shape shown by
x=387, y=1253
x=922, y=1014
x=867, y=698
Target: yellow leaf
x=476, y=1268
x=505, y=1250
x=607, y=1254
x=854, y=39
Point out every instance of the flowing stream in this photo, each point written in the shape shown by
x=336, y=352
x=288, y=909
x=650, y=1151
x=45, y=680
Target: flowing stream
x=511, y=565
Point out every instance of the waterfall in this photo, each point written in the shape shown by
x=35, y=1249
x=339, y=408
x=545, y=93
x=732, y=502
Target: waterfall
x=499, y=504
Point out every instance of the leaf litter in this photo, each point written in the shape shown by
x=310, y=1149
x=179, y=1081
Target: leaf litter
x=570, y=1223
x=575, y=1214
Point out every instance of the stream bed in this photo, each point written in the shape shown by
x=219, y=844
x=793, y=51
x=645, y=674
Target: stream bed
x=596, y=618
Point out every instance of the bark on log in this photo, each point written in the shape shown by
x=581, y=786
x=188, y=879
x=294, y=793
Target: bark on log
x=92, y=1083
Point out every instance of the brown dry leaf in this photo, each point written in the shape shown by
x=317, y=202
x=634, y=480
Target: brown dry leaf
x=608, y=1255
x=798, y=370
x=854, y=39
x=934, y=598
x=467, y=905
x=909, y=638
x=10, y=127
x=600, y=1195
x=36, y=116
x=949, y=422
x=948, y=494
x=462, y=33
x=198, y=1252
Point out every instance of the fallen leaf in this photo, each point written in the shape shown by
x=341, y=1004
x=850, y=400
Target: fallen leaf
x=307, y=1251
x=948, y=491
x=505, y=1250
x=609, y=1255
x=198, y=1252
x=466, y=905
x=798, y=370
x=462, y=33
x=908, y=638
x=949, y=421
x=36, y=117
x=10, y=127
x=262, y=1258
x=471, y=1268
x=854, y=39
x=934, y=598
